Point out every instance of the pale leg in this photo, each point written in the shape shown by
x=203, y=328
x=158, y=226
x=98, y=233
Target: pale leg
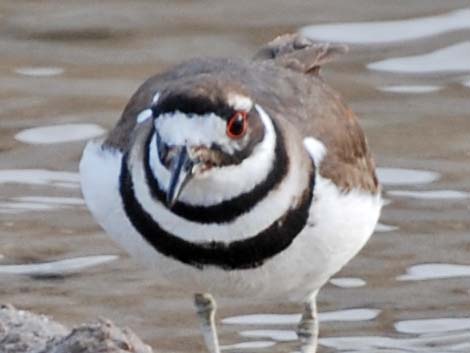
x=205, y=306
x=307, y=330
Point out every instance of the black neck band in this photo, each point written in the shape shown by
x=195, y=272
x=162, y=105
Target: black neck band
x=241, y=254
x=228, y=210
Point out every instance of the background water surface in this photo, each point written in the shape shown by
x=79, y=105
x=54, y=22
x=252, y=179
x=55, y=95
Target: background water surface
x=67, y=68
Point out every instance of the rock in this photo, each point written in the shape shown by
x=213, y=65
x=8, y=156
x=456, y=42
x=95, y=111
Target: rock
x=103, y=336
x=25, y=332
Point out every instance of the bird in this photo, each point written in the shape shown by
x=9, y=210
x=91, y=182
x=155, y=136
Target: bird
x=247, y=178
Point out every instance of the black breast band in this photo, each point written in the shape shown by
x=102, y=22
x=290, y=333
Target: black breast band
x=236, y=255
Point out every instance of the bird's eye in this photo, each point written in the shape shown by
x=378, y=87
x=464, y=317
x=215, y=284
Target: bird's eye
x=237, y=125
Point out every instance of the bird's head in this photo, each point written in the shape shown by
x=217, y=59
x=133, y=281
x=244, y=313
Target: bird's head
x=199, y=136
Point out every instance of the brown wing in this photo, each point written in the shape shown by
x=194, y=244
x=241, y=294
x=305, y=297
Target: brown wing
x=348, y=162
x=319, y=111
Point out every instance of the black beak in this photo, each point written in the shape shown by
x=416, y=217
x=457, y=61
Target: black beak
x=181, y=167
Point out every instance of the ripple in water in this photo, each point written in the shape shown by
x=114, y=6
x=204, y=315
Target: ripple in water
x=40, y=177
x=440, y=335
x=426, y=343
x=383, y=228
x=361, y=314
x=59, y=133
x=57, y=268
x=451, y=59
x=348, y=282
x=399, y=176
x=38, y=203
x=275, y=335
x=434, y=271
x=433, y=325
x=389, y=31
x=407, y=89
x=431, y=195
x=249, y=345
x=39, y=71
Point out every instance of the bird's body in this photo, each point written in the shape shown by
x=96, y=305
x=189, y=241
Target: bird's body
x=282, y=191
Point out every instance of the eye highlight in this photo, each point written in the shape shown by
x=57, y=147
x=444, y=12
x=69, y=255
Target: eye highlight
x=237, y=125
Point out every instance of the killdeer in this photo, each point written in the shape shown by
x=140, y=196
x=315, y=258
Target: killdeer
x=238, y=178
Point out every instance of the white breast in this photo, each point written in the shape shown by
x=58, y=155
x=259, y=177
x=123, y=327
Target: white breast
x=338, y=226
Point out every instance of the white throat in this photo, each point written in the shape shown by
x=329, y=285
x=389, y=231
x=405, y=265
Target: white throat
x=218, y=184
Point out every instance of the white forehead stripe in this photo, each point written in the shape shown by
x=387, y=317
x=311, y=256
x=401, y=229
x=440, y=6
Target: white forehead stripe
x=315, y=148
x=179, y=129
x=239, y=102
x=156, y=97
x=147, y=113
x=144, y=115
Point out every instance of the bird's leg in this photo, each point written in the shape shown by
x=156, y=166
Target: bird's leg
x=205, y=306
x=307, y=330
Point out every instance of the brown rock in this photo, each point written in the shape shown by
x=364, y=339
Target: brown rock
x=24, y=332
x=103, y=337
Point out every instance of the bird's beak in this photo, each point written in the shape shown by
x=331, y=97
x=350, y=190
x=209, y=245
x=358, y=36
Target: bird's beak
x=181, y=169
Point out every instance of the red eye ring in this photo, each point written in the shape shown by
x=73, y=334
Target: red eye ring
x=237, y=125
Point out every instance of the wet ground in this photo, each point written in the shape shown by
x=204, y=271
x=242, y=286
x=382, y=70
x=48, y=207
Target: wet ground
x=66, y=72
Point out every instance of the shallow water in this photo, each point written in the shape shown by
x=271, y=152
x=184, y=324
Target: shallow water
x=39, y=71
x=449, y=59
x=66, y=72
x=397, y=30
x=407, y=89
x=59, y=133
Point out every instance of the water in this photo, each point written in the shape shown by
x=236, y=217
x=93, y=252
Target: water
x=39, y=71
x=400, y=176
x=347, y=282
x=40, y=177
x=449, y=59
x=431, y=194
x=38, y=203
x=66, y=73
x=385, y=228
x=361, y=314
x=407, y=89
x=56, y=268
x=59, y=133
x=434, y=271
x=379, y=32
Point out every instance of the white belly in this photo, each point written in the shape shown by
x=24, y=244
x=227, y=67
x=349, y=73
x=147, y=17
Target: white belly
x=338, y=227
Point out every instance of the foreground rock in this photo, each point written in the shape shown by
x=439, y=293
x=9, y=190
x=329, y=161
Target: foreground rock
x=24, y=332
